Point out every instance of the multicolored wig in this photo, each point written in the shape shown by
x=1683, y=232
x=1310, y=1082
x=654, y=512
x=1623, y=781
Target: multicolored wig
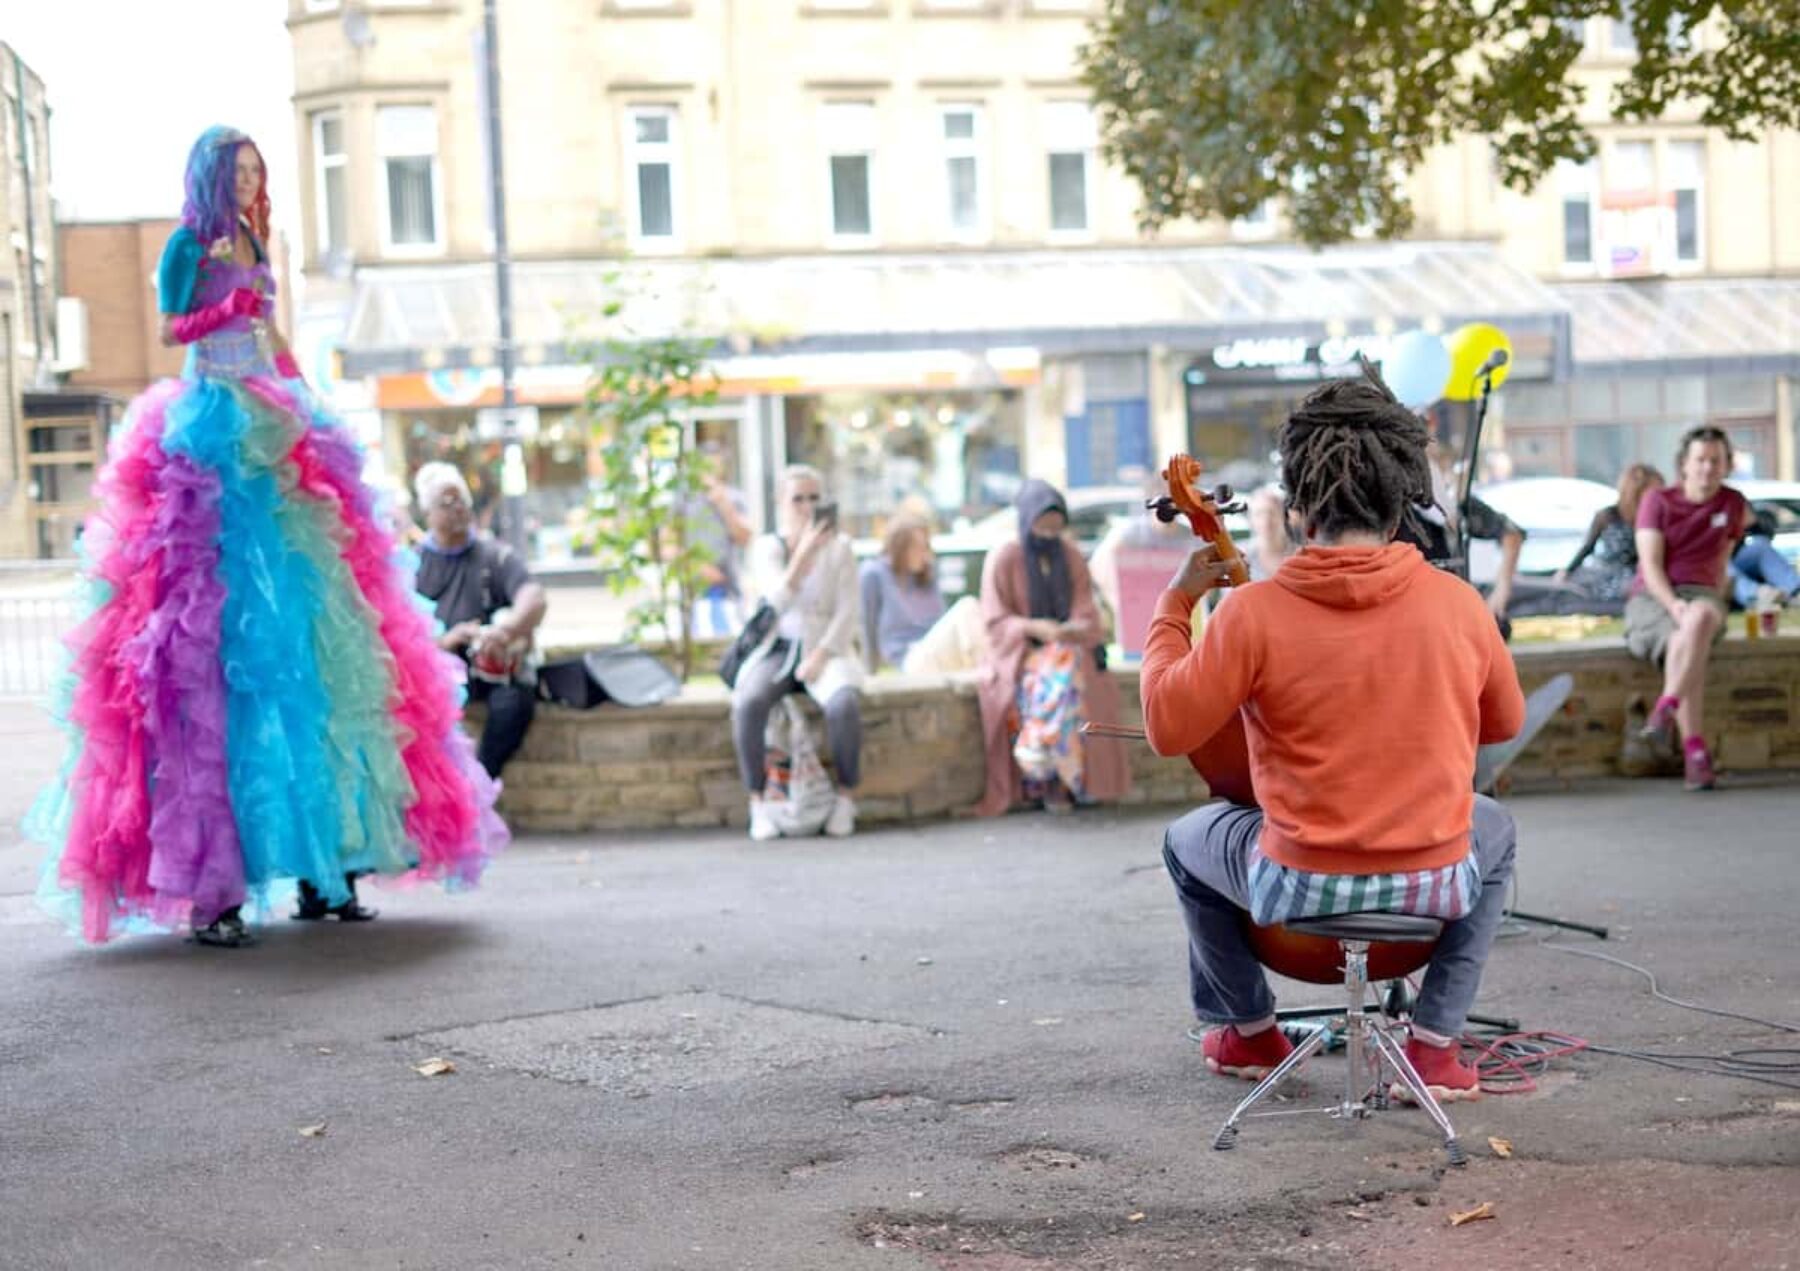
x=211, y=209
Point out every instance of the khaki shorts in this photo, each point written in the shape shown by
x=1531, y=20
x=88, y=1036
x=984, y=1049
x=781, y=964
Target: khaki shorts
x=1648, y=625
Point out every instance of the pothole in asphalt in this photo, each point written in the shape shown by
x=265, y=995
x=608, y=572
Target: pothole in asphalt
x=1039, y=1159
x=811, y=1165
x=891, y=1101
x=678, y=1042
x=901, y=1101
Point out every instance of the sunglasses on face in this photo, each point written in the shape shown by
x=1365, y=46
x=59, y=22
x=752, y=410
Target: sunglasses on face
x=805, y=498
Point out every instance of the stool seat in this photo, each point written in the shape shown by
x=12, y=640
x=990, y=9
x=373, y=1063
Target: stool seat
x=1371, y=925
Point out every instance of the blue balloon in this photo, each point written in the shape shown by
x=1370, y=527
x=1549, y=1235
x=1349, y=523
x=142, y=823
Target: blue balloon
x=1417, y=368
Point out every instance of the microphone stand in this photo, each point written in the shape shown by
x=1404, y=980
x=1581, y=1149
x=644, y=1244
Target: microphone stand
x=1464, y=491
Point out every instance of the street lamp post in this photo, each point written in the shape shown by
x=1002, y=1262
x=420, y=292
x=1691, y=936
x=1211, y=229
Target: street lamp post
x=512, y=468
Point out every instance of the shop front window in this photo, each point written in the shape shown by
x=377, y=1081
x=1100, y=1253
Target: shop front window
x=951, y=456
x=1535, y=452
x=555, y=446
x=1602, y=451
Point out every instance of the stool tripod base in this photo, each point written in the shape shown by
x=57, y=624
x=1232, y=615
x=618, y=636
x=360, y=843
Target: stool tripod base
x=1371, y=1050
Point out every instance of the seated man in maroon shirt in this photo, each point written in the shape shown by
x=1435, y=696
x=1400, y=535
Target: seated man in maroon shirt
x=1676, y=608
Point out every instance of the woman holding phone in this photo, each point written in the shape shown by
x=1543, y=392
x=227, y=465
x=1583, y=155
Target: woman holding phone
x=807, y=574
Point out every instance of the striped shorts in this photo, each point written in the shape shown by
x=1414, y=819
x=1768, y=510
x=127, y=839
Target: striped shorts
x=1278, y=893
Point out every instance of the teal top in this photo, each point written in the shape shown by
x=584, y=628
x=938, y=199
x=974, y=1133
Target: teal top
x=178, y=271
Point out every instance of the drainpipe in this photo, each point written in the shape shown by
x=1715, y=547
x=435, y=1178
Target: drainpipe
x=30, y=280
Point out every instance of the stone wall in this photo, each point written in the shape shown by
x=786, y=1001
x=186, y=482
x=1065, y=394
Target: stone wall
x=672, y=765
x=1752, y=718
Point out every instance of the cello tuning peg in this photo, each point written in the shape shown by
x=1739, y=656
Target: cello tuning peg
x=1164, y=508
x=1222, y=493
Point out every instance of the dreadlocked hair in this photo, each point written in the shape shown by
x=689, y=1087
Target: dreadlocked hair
x=1353, y=458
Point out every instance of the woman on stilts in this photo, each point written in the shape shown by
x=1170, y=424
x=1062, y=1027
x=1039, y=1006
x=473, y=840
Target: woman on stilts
x=255, y=695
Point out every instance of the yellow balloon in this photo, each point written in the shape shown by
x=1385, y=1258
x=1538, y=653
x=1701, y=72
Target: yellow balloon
x=1471, y=345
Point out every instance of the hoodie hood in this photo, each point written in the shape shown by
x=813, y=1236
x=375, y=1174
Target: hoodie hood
x=1351, y=577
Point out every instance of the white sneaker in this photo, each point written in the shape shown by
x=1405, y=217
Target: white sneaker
x=842, y=821
x=762, y=821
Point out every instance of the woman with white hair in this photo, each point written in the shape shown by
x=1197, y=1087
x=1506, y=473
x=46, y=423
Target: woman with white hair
x=807, y=573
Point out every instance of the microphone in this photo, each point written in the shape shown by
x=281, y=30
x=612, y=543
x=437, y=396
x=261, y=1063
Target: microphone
x=1497, y=359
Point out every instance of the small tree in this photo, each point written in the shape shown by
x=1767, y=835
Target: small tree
x=652, y=481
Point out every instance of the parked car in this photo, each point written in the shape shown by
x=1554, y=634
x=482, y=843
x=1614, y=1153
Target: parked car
x=960, y=552
x=1777, y=502
x=1554, y=512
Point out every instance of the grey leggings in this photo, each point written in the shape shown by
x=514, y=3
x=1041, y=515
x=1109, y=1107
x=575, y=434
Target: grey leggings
x=767, y=681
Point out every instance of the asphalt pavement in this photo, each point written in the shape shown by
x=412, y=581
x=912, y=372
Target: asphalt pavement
x=960, y=1045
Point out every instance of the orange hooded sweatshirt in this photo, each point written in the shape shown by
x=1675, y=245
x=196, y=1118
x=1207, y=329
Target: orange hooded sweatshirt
x=1366, y=679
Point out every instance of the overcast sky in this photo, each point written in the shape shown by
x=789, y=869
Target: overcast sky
x=131, y=83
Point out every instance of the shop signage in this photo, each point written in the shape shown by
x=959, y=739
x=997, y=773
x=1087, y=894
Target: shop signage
x=1272, y=359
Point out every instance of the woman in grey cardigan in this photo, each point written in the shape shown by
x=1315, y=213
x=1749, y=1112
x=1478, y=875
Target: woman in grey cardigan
x=807, y=573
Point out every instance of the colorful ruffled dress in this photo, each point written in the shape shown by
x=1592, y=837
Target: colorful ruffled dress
x=256, y=693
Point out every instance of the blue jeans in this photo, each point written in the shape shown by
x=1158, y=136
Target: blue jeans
x=1208, y=856
x=1756, y=563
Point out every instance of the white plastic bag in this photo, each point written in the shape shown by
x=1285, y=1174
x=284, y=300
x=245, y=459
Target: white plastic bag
x=810, y=794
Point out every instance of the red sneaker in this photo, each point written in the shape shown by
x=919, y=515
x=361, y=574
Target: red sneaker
x=1442, y=1070
x=1697, y=770
x=1231, y=1054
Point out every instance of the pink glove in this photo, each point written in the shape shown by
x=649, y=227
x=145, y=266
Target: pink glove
x=241, y=303
x=286, y=367
x=245, y=303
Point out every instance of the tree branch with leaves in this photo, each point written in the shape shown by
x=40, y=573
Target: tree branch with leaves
x=1214, y=107
x=652, y=483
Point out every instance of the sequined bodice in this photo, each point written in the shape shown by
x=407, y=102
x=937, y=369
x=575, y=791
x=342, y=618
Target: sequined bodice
x=241, y=346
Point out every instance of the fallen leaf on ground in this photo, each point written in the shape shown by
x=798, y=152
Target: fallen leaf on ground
x=1359, y=1215
x=1137, y=1217
x=434, y=1068
x=1502, y=1147
x=1484, y=1210
x=1049, y=1021
x=324, y=1050
x=313, y=1131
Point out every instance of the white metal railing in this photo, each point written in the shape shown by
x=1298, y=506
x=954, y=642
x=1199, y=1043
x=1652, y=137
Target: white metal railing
x=38, y=608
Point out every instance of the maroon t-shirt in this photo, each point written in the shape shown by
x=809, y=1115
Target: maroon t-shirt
x=1694, y=534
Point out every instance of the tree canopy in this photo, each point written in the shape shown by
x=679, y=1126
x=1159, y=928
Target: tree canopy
x=1213, y=107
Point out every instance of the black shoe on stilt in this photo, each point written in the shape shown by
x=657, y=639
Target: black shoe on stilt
x=227, y=931
x=313, y=907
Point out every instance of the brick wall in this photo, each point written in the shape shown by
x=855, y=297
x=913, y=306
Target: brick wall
x=673, y=765
x=112, y=266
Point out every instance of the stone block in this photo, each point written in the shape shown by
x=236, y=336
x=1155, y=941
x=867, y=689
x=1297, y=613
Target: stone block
x=549, y=742
x=700, y=818
x=724, y=794
x=612, y=745
x=668, y=796
x=1744, y=750
x=535, y=802
x=875, y=811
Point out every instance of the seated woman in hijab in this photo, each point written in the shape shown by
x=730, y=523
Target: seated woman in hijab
x=1043, y=675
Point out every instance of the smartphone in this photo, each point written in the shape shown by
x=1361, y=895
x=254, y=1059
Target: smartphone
x=825, y=515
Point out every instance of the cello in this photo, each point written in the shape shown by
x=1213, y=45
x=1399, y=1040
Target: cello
x=1223, y=761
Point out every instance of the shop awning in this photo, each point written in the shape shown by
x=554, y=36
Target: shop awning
x=1057, y=302
x=1698, y=326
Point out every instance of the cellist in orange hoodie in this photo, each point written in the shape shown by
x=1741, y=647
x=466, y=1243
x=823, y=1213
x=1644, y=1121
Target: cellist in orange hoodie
x=1364, y=679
